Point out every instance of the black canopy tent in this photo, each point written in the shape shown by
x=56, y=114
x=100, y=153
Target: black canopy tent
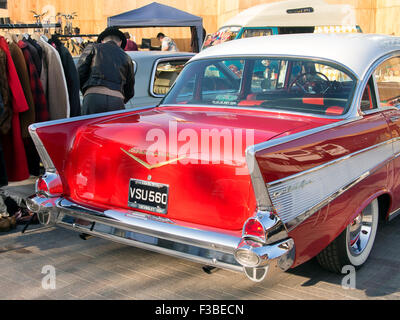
x=158, y=15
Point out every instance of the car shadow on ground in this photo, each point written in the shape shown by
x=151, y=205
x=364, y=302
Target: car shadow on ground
x=380, y=275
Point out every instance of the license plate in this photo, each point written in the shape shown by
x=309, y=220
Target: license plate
x=148, y=195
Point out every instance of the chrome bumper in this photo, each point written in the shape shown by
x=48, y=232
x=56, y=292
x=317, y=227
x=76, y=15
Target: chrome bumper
x=161, y=235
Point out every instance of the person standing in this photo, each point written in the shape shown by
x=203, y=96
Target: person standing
x=106, y=73
x=167, y=44
x=130, y=45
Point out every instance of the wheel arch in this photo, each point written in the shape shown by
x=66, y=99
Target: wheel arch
x=384, y=202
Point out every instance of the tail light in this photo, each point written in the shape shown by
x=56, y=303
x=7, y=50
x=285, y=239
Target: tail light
x=50, y=185
x=253, y=228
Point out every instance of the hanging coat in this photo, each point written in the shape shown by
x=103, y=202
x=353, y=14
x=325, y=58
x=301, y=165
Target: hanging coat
x=3, y=172
x=16, y=162
x=41, y=109
x=6, y=116
x=71, y=76
x=27, y=117
x=57, y=91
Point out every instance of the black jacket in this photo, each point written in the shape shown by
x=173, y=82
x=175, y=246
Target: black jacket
x=107, y=65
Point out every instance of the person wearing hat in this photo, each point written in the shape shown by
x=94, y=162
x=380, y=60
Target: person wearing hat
x=106, y=73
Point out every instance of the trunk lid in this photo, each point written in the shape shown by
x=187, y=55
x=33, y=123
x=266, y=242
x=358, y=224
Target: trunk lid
x=199, y=153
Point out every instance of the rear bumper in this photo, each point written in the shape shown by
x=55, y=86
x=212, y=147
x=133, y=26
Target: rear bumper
x=161, y=234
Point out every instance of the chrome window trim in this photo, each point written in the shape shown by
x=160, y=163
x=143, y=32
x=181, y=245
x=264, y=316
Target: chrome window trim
x=154, y=69
x=370, y=73
x=303, y=114
x=134, y=66
x=342, y=67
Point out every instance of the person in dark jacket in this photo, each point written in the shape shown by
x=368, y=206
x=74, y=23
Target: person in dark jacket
x=106, y=73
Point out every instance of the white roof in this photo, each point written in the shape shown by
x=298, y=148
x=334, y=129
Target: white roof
x=276, y=15
x=356, y=51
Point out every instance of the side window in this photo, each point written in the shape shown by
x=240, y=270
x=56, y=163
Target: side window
x=165, y=75
x=387, y=77
x=268, y=74
x=223, y=77
x=368, y=100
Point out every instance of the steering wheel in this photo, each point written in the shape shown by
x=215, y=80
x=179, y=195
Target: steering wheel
x=311, y=82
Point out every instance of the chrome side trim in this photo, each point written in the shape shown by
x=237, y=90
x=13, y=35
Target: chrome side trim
x=274, y=142
x=44, y=156
x=261, y=193
x=262, y=197
x=393, y=214
x=299, y=196
x=38, y=125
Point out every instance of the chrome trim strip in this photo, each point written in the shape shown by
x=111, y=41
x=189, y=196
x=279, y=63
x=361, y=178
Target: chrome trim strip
x=44, y=156
x=335, y=161
x=260, y=190
x=300, y=195
x=239, y=108
x=274, y=142
x=152, y=226
x=38, y=125
x=393, y=214
x=367, y=76
x=120, y=239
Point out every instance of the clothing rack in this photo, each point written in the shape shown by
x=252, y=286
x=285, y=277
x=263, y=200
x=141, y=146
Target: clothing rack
x=76, y=35
x=29, y=25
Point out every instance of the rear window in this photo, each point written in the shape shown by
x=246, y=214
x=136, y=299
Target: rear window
x=267, y=83
x=165, y=75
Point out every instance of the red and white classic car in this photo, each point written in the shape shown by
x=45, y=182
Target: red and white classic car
x=265, y=153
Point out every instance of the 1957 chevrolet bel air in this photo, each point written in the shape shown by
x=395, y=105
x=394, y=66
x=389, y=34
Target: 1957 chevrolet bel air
x=266, y=152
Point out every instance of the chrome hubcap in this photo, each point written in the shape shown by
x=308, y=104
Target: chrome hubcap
x=359, y=231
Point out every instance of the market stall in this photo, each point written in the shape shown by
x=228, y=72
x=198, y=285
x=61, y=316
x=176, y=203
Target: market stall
x=158, y=15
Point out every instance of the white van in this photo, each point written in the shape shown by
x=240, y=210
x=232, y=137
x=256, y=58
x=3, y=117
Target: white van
x=283, y=17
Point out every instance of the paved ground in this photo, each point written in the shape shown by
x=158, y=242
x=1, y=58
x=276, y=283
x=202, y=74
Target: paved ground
x=98, y=269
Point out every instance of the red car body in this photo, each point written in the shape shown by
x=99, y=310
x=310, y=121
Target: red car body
x=314, y=175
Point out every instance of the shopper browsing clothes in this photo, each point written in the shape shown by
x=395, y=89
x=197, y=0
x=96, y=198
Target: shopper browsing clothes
x=167, y=44
x=106, y=73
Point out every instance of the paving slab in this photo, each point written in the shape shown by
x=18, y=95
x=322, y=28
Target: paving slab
x=97, y=269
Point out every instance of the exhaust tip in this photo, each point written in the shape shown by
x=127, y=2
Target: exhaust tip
x=85, y=236
x=210, y=269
